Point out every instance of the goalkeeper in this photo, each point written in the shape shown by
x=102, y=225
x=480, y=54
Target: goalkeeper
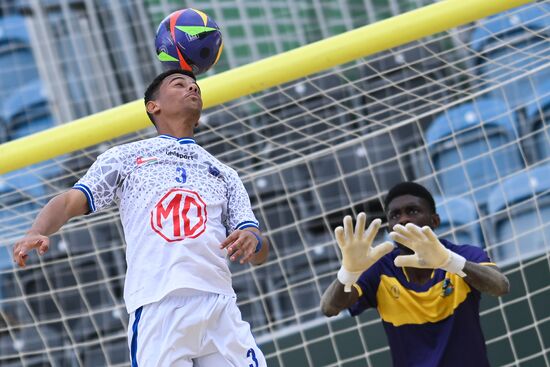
x=427, y=290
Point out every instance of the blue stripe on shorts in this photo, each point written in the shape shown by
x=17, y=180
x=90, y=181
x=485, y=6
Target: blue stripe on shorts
x=133, y=348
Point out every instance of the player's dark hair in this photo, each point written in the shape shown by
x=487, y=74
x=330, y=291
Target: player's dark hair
x=410, y=188
x=151, y=93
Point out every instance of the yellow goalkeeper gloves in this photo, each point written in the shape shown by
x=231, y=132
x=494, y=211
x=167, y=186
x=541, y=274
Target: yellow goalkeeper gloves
x=429, y=253
x=356, y=247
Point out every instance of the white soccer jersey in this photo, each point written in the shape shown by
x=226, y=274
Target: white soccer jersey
x=177, y=204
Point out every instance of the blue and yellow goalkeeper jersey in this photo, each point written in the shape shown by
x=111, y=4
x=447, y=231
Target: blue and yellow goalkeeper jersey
x=434, y=324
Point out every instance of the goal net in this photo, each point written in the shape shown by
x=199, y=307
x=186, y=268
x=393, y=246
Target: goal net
x=465, y=112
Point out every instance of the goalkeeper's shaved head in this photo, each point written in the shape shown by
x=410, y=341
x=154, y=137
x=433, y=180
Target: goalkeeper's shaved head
x=410, y=188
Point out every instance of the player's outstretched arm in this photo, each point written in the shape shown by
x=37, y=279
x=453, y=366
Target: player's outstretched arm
x=335, y=299
x=486, y=278
x=247, y=245
x=357, y=256
x=430, y=253
x=57, y=212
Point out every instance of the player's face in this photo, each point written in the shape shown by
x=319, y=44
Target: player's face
x=180, y=92
x=410, y=209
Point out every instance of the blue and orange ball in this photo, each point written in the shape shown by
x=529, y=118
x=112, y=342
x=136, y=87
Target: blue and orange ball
x=188, y=39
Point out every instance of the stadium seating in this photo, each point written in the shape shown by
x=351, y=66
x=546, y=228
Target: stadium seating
x=28, y=339
x=349, y=163
x=217, y=124
x=272, y=189
x=537, y=125
x=3, y=131
x=496, y=41
x=5, y=261
x=248, y=292
x=358, y=178
x=519, y=209
x=467, y=147
x=114, y=353
x=399, y=80
x=299, y=122
x=7, y=348
x=296, y=252
x=17, y=66
x=23, y=110
x=459, y=221
x=94, y=293
x=26, y=110
x=399, y=85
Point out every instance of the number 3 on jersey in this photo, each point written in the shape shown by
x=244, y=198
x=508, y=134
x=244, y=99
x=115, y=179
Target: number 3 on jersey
x=252, y=355
x=181, y=175
x=178, y=215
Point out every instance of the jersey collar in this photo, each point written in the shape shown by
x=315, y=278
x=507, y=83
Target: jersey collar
x=184, y=140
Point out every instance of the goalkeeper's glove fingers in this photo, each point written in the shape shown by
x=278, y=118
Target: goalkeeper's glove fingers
x=348, y=278
x=346, y=236
x=410, y=261
x=454, y=263
x=429, y=252
x=356, y=249
x=379, y=251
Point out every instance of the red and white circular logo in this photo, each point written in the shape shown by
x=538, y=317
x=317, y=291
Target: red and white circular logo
x=178, y=215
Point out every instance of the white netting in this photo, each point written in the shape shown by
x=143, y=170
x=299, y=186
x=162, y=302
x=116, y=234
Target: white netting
x=464, y=112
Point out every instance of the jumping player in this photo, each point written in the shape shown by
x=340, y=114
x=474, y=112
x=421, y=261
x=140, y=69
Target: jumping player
x=177, y=204
x=427, y=290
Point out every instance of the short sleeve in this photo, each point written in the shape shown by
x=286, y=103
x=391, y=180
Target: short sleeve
x=101, y=181
x=239, y=210
x=368, y=283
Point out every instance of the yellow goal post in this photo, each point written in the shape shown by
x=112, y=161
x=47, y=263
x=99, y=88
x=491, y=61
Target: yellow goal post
x=254, y=77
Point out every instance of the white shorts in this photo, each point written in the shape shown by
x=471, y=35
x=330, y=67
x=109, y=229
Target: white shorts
x=192, y=328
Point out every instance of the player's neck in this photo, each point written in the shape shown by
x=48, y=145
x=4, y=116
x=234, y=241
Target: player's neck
x=181, y=131
x=418, y=276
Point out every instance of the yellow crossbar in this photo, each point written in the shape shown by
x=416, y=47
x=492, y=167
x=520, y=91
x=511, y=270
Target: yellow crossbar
x=256, y=77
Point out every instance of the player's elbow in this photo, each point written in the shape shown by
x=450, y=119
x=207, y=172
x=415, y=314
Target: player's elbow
x=329, y=305
x=499, y=287
x=503, y=288
x=329, y=310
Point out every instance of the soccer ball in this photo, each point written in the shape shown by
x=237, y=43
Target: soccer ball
x=188, y=39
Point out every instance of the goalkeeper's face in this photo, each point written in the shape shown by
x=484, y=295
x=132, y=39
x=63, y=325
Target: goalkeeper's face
x=411, y=209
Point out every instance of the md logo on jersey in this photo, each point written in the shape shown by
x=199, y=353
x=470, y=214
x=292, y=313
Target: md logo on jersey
x=180, y=214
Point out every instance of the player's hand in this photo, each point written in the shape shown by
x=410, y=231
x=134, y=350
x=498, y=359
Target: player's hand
x=429, y=253
x=241, y=243
x=26, y=244
x=357, y=252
